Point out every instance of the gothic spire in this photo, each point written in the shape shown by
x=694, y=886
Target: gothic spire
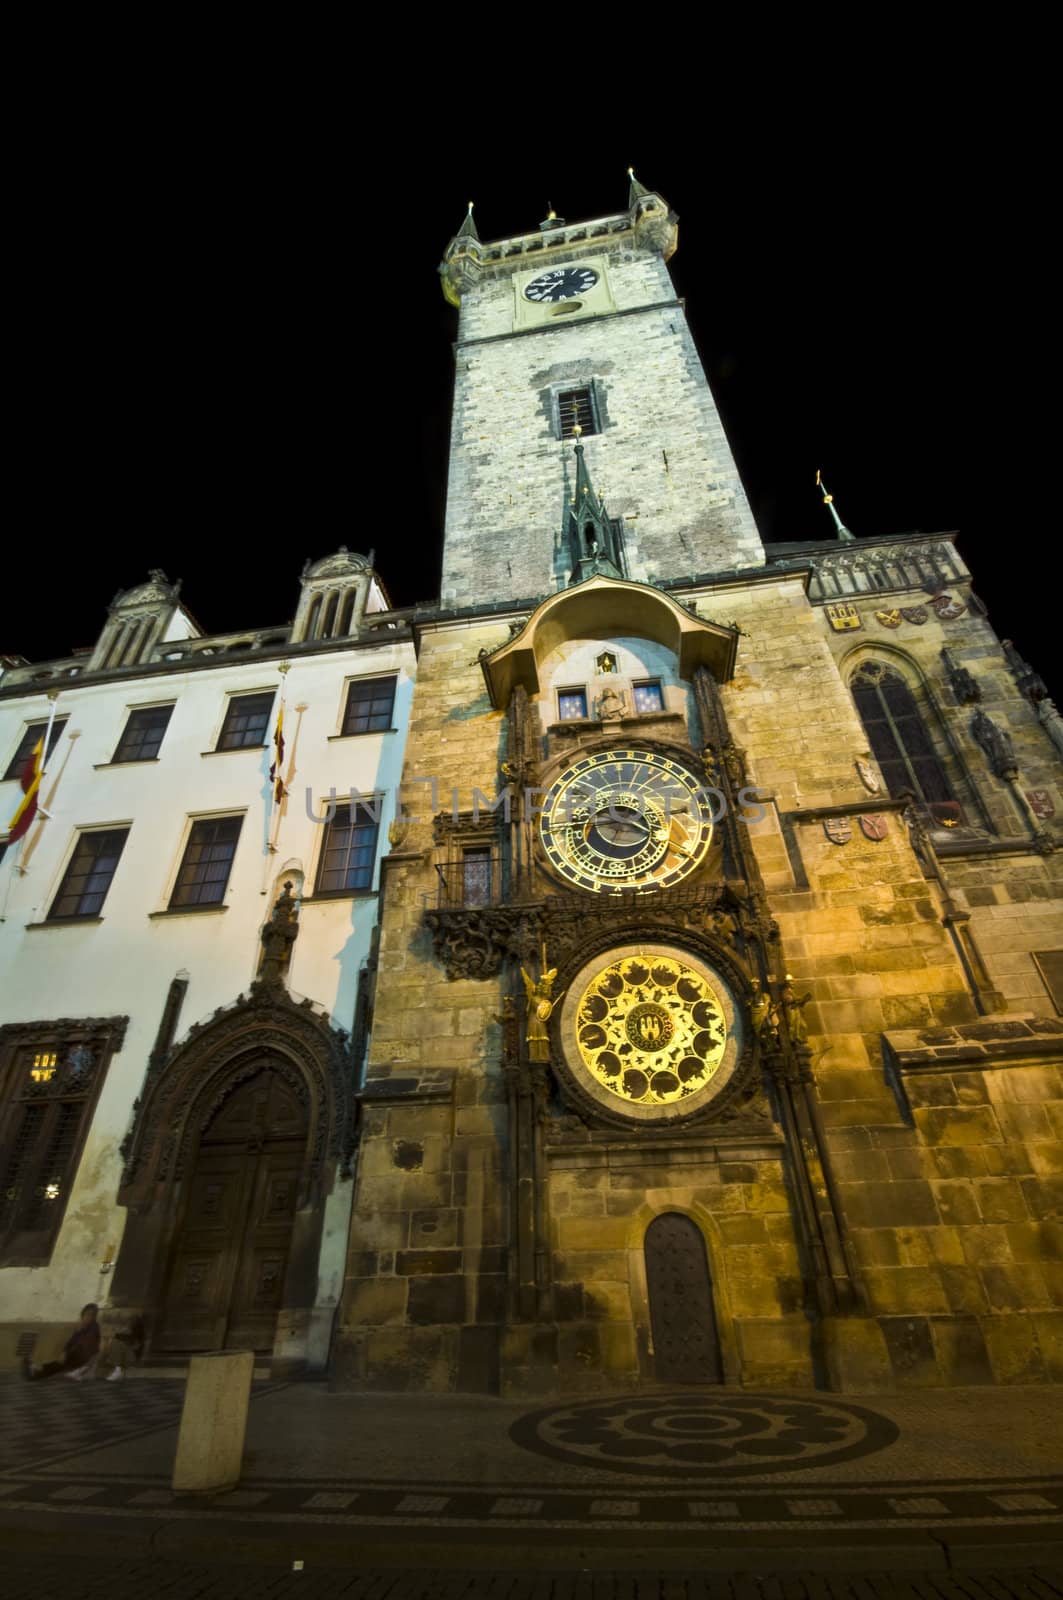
x=592, y=537
x=468, y=228
x=840, y=530
x=636, y=190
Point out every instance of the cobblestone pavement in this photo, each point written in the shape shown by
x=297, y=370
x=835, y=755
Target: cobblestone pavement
x=58, y=1578
x=926, y=1480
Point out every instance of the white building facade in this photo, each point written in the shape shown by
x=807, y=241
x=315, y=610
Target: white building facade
x=187, y=952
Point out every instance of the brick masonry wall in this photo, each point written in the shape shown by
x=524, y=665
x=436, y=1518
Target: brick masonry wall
x=662, y=461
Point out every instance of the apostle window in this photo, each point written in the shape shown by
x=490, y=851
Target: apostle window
x=571, y=704
x=370, y=704
x=897, y=735
x=49, y=1079
x=88, y=877
x=207, y=863
x=348, y=851
x=648, y=695
x=143, y=734
x=476, y=876
x=246, y=721
x=28, y=742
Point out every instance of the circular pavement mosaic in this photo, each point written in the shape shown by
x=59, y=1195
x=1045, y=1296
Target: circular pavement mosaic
x=699, y=1436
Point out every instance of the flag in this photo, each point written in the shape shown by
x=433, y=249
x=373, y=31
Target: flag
x=275, y=769
x=30, y=779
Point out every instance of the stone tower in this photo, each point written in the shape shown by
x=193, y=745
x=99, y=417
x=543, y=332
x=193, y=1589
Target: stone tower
x=724, y=956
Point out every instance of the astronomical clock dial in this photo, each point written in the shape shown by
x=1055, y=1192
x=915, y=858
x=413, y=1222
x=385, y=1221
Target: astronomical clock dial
x=563, y=283
x=650, y=1032
x=624, y=820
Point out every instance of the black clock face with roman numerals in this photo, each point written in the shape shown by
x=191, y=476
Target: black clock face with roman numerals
x=563, y=283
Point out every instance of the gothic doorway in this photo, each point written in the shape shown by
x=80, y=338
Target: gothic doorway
x=685, y=1341
x=226, y=1281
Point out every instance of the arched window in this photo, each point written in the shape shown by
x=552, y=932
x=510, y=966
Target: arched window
x=897, y=735
x=312, y=616
x=345, y=615
x=330, y=615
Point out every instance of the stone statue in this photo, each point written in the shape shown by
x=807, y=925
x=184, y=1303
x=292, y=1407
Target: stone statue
x=612, y=704
x=540, y=1010
x=507, y=1021
x=793, y=1007
x=278, y=936
x=996, y=743
x=759, y=1007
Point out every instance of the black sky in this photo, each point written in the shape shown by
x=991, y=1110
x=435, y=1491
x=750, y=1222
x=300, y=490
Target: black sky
x=239, y=359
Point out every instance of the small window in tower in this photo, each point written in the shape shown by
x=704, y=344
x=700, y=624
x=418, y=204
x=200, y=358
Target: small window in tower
x=648, y=695
x=576, y=407
x=572, y=704
x=476, y=876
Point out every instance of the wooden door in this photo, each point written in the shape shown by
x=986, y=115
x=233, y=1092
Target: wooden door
x=226, y=1281
x=685, y=1344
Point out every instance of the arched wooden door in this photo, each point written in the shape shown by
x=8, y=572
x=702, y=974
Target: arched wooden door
x=226, y=1280
x=685, y=1342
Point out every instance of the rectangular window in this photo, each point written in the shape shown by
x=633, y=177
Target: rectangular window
x=29, y=739
x=571, y=704
x=370, y=703
x=246, y=721
x=143, y=734
x=576, y=407
x=207, y=863
x=476, y=876
x=648, y=695
x=348, y=852
x=88, y=877
x=48, y=1085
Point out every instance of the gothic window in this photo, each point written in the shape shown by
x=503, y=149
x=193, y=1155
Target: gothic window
x=575, y=407
x=143, y=734
x=571, y=704
x=348, y=851
x=28, y=742
x=330, y=615
x=50, y=1075
x=897, y=734
x=207, y=863
x=648, y=695
x=370, y=703
x=345, y=614
x=88, y=877
x=312, y=617
x=246, y=721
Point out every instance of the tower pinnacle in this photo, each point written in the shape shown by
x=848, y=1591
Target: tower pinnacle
x=841, y=531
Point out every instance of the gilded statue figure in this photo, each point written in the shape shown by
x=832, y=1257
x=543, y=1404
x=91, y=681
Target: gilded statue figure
x=540, y=1009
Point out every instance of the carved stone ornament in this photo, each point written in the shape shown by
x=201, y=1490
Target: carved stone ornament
x=915, y=614
x=889, y=619
x=963, y=683
x=842, y=616
x=947, y=608
x=868, y=776
x=839, y=830
x=1041, y=804
x=874, y=826
x=182, y=1093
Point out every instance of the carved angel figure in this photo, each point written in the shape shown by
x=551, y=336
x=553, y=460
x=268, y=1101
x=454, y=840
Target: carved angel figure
x=540, y=1009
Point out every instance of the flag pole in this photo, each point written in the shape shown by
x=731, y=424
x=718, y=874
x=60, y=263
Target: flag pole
x=277, y=790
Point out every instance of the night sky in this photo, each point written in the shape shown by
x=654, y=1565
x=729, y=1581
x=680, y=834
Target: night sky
x=252, y=364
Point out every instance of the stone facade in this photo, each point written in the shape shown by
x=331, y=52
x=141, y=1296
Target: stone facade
x=872, y=1199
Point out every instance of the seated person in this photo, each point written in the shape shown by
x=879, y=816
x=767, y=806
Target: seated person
x=80, y=1353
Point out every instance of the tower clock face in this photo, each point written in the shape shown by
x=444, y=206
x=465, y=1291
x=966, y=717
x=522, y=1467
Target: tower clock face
x=563, y=283
x=625, y=820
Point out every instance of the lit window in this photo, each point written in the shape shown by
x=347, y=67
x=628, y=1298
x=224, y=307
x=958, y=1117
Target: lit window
x=648, y=695
x=571, y=704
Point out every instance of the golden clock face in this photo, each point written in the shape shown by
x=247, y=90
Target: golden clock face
x=651, y=1029
x=626, y=819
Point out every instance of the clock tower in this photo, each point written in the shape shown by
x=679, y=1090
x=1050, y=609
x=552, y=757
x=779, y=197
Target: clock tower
x=662, y=895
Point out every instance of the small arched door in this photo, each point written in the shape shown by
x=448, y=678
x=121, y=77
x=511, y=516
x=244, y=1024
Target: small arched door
x=685, y=1343
x=226, y=1281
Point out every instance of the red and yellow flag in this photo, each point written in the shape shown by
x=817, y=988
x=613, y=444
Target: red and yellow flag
x=275, y=769
x=30, y=779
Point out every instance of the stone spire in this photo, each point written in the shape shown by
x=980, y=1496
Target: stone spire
x=636, y=191
x=468, y=227
x=592, y=538
x=460, y=268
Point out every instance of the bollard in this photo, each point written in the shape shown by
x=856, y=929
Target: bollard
x=210, y=1445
